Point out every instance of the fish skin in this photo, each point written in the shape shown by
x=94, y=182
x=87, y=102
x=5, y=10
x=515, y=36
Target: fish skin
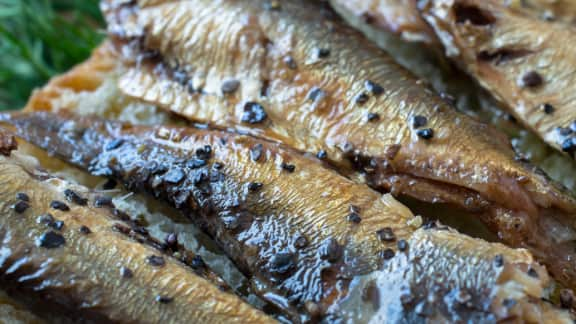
x=501, y=52
x=477, y=171
x=252, y=226
x=285, y=197
x=83, y=275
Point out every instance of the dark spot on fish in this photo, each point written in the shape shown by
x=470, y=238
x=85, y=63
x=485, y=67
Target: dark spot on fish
x=282, y=263
x=368, y=18
x=57, y=225
x=253, y=113
x=126, y=273
x=255, y=186
x=472, y=14
x=419, y=121
x=20, y=206
x=204, y=153
x=51, y=240
x=85, y=229
x=548, y=108
x=509, y=303
x=566, y=298
x=155, y=260
x=265, y=88
x=568, y=145
x=174, y=176
x=387, y=254
x=103, y=201
x=195, y=163
x=386, y=235
x=372, y=117
x=22, y=196
x=197, y=262
x=407, y=300
x=230, y=86
x=402, y=245
x=362, y=98
x=331, y=250
x=171, y=240
x=113, y=144
x=58, y=205
x=532, y=273
x=164, y=299
x=301, y=242
x=256, y=152
x=426, y=133
x=322, y=53
x=502, y=55
x=74, y=197
x=370, y=294
x=316, y=94
x=354, y=218
x=288, y=167
x=531, y=79
x=373, y=87
x=109, y=184
x=289, y=61
x=321, y=154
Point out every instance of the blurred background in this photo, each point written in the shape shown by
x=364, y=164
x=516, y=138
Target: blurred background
x=41, y=38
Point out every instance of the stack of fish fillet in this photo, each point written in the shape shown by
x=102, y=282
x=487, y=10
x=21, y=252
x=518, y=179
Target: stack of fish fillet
x=285, y=136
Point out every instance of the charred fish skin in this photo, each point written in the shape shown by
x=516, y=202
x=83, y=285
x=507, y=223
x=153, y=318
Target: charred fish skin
x=312, y=83
x=301, y=231
x=254, y=218
x=75, y=257
x=517, y=58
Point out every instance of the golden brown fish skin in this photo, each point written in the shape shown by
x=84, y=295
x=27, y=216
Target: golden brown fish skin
x=518, y=59
x=79, y=268
x=433, y=282
x=276, y=56
x=400, y=17
x=285, y=210
x=302, y=232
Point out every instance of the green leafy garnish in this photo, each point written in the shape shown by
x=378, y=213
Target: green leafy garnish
x=41, y=38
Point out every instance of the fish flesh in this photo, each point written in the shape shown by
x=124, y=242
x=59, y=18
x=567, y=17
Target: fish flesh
x=519, y=60
x=60, y=247
x=301, y=231
x=400, y=17
x=297, y=75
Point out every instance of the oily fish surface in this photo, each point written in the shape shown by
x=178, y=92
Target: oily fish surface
x=79, y=262
x=314, y=107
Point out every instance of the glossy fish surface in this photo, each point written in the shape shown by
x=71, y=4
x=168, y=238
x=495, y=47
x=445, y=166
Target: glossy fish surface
x=519, y=60
x=304, y=233
x=295, y=74
x=59, y=248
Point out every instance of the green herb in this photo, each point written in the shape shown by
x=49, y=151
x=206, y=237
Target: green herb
x=41, y=38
